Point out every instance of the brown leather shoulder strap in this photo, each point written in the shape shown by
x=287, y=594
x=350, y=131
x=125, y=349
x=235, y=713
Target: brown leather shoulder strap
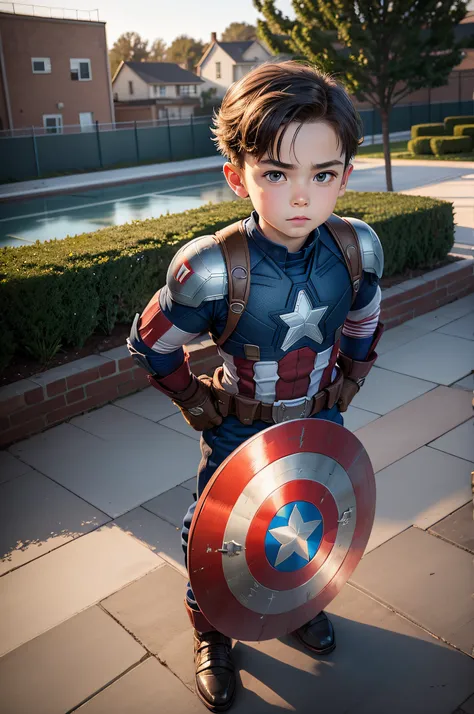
x=347, y=239
x=233, y=241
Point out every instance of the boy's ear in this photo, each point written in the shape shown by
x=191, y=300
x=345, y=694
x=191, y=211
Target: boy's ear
x=345, y=179
x=233, y=177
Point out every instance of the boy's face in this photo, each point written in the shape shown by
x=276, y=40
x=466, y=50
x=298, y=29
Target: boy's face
x=280, y=194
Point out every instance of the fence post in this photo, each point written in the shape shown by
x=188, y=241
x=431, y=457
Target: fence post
x=373, y=126
x=192, y=137
x=99, y=148
x=429, y=104
x=136, y=142
x=169, y=133
x=35, y=149
x=459, y=92
x=410, y=115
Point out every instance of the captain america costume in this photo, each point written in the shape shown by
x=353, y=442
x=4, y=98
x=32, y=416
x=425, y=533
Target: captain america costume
x=284, y=350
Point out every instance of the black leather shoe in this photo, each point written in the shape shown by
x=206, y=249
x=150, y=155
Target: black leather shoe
x=215, y=672
x=317, y=635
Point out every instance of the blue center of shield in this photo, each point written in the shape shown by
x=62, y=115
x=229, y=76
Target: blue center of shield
x=294, y=536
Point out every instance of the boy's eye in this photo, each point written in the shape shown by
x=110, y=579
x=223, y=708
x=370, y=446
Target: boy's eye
x=321, y=174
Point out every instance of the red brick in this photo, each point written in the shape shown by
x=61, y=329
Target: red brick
x=125, y=363
x=127, y=388
x=396, y=311
x=106, y=369
x=34, y=396
x=12, y=405
x=140, y=378
x=28, y=414
x=58, y=387
x=4, y=423
x=105, y=385
x=454, y=277
x=461, y=285
x=59, y=415
x=420, y=290
x=467, y=291
x=21, y=432
x=76, y=380
x=390, y=301
x=75, y=395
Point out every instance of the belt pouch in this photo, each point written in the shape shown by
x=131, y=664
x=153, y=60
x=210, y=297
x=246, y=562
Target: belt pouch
x=334, y=391
x=245, y=408
x=222, y=398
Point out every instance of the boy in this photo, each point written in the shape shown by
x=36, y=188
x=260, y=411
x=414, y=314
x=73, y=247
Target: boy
x=289, y=133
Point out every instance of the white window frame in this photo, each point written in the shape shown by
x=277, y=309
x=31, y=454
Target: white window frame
x=75, y=64
x=162, y=90
x=47, y=65
x=58, y=129
x=87, y=127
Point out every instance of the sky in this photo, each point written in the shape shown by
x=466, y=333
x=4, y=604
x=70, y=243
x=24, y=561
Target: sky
x=168, y=20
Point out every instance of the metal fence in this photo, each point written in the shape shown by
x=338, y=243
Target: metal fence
x=37, y=152
x=60, y=13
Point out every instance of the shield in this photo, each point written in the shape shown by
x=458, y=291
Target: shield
x=280, y=527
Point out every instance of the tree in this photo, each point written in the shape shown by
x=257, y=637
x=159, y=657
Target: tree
x=158, y=51
x=383, y=50
x=128, y=47
x=185, y=51
x=239, y=31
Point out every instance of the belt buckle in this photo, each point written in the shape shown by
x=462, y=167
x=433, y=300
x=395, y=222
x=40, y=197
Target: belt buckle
x=286, y=410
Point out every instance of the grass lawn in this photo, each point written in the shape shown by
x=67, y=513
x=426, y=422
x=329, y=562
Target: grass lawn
x=398, y=150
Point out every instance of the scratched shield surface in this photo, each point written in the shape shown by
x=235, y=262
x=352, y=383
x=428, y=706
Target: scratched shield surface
x=280, y=528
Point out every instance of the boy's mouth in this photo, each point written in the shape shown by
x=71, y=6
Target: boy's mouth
x=299, y=218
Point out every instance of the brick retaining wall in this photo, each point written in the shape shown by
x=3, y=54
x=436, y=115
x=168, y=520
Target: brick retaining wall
x=32, y=405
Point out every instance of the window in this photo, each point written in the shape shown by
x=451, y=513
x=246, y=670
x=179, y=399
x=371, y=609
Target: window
x=86, y=120
x=41, y=65
x=155, y=89
x=162, y=91
x=53, y=123
x=188, y=89
x=178, y=90
x=218, y=70
x=130, y=87
x=80, y=69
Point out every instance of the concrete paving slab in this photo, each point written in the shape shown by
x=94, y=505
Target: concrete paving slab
x=462, y=327
x=458, y=441
x=384, y=391
x=177, y=422
x=398, y=336
x=114, y=424
x=442, y=315
x=436, y=357
x=37, y=516
x=458, y=527
x=66, y=665
x=357, y=418
x=466, y=383
x=408, y=428
x=439, y=595
x=190, y=484
x=148, y=688
x=152, y=608
x=467, y=707
x=419, y=489
x=376, y=651
x=171, y=506
x=11, y=467
x=149, y=403
x=51, y=589
x=158, y=535
x=114, y=475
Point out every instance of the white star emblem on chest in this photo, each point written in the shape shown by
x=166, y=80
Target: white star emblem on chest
x=303, y=322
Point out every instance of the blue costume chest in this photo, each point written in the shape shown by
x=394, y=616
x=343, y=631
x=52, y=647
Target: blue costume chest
x=292, y=303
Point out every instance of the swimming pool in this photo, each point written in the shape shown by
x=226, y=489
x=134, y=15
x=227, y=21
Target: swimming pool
x=24, y=222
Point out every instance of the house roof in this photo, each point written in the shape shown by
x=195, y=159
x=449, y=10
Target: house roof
x=162, y=73
x=235, y=50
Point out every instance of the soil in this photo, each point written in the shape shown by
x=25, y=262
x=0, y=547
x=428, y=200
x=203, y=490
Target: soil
x=23, y=367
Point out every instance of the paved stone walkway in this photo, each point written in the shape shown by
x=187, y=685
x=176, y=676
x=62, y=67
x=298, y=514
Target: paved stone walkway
x=92, y=581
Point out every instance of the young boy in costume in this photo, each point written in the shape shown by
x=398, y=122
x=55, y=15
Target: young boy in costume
x=309, y=324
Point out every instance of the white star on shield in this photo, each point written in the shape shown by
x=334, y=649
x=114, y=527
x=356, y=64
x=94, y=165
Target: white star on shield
x=294, y=536
x=303, y=322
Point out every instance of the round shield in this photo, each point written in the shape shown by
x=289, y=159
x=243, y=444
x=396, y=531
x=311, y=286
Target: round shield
x=280, y=527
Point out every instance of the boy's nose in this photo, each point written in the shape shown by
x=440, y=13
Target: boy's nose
x=299, y=201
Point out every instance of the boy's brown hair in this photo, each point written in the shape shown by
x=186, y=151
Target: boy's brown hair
x=272, y=95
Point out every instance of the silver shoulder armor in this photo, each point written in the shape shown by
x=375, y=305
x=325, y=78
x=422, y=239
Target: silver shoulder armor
x=370, y=247
x=197, y=272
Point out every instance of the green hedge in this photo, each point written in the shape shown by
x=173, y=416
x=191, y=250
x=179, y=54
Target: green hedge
x=427, y=130
x=464, y=130
x=451, y=122
x=450, y=145
x=420, y=146
x=58, y=293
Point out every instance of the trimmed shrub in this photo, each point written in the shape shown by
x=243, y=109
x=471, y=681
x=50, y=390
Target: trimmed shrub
x=420, y=146
x=451, y=122
x=58, y=292
x=464, y=130
x=427, y=130
x=451, y=145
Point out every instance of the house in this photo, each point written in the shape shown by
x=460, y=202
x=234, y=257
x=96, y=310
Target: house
x=223, y=63
x=54, y=72
x=154, y=90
